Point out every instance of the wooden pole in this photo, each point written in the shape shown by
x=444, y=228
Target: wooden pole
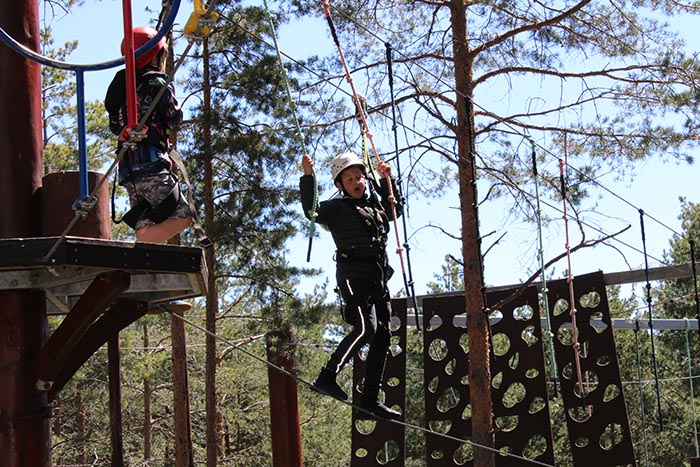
x=284, y=407
x=24, y=415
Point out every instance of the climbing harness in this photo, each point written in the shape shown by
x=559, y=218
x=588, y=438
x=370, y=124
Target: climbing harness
x=363, y=116
x=651, y=321
x=545, y=300
x=144, y=118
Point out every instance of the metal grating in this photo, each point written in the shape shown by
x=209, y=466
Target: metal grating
x=599, y=432
x=379, y=442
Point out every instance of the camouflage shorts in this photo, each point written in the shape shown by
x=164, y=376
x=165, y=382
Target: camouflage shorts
x=155, y=189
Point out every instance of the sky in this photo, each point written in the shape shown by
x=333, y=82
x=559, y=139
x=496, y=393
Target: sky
x=98, y=27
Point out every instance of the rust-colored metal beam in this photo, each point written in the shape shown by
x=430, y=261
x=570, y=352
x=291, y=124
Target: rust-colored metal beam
x=94, y=301
x=284, y=407
x=117, y=317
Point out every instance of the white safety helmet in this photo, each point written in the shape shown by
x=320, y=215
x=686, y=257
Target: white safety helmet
x=345, y=160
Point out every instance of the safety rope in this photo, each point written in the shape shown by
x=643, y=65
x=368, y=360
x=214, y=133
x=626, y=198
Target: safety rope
x=368, y=133
x=91, y=198
x=651, y=322
x=295, y=377
x=570, y=280
x=407, y=278
x=545, y=299
x=689, y=357
x=641, y=391
x=299, y=134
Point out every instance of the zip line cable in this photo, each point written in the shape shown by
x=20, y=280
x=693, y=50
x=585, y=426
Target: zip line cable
x=651, y=322
x=515, y=129
x=417, y=133
x=299, y=135
x=297, y=379
x=358, y=103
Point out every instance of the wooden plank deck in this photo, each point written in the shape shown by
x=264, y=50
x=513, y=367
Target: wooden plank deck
x=159, y=273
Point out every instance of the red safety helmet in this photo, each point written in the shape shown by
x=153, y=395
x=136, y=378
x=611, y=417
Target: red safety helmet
x=143, y=34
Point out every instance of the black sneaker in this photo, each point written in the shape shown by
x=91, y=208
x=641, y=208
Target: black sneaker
x=330, y=388
x=377, y=409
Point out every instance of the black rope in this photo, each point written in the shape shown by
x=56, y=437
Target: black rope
x=651, y=322
x=407, y=278
x=641, y=392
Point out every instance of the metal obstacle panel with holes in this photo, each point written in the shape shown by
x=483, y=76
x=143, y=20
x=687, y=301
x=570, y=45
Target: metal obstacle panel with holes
x=519, y=394
x=596, y=414
x=379, y=442
x=518, y=379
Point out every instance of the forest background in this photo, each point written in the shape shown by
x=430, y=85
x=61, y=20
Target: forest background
x=261, y=280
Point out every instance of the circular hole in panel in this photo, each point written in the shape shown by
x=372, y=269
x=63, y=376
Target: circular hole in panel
x=395, y=323
x=612, y=436
x=581, y=442
x=501, y=344
x=361, y=453
x=590, y=300
x=434, y=323
x=535, y=447
x=389, y=452
x=528, y=336
x=532, y=373
x=450, y=366
x=506, y=423
x=589, y=383
x=467, y=413
x=448, y=400
x=433, y=384
x=437, y=454
x=514, y=360
x=561, y=306
x=463, y=454
x=365, y=427
x=497, y=380
x=515, y=394
x=536, y=405
x=440, y=426
x=437, y=350
x=611, y=392
x=523, y=313
x=393, y=382
x=464, y=342
x=581, y=413
x=459, y=321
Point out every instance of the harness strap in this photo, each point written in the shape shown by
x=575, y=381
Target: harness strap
x=201, y=235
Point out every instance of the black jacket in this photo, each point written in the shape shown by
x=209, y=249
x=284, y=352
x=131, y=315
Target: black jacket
x=360, y=229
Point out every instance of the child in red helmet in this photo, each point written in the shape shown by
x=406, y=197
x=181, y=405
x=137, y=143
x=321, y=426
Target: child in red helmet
x=158, y=210
x=359, y=224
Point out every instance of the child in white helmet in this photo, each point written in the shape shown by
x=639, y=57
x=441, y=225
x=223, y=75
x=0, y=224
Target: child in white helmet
x=359, y=224
x=158, y=210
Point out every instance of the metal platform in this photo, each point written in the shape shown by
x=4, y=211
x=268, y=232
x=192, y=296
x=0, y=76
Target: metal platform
x=158, y=273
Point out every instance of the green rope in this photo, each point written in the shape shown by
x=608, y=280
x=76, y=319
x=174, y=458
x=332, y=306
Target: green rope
x=299, y=134
x=692, y=393
x=545, y=300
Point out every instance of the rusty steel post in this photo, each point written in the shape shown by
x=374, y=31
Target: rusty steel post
x=284, y=406
x=24, y=425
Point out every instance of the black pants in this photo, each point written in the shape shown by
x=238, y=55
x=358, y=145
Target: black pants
x=367, y=310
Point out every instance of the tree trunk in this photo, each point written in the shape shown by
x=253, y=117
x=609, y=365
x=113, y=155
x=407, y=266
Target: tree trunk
x=477, y=324
x=184, y=456
x=214, y=439
x=147, y=416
